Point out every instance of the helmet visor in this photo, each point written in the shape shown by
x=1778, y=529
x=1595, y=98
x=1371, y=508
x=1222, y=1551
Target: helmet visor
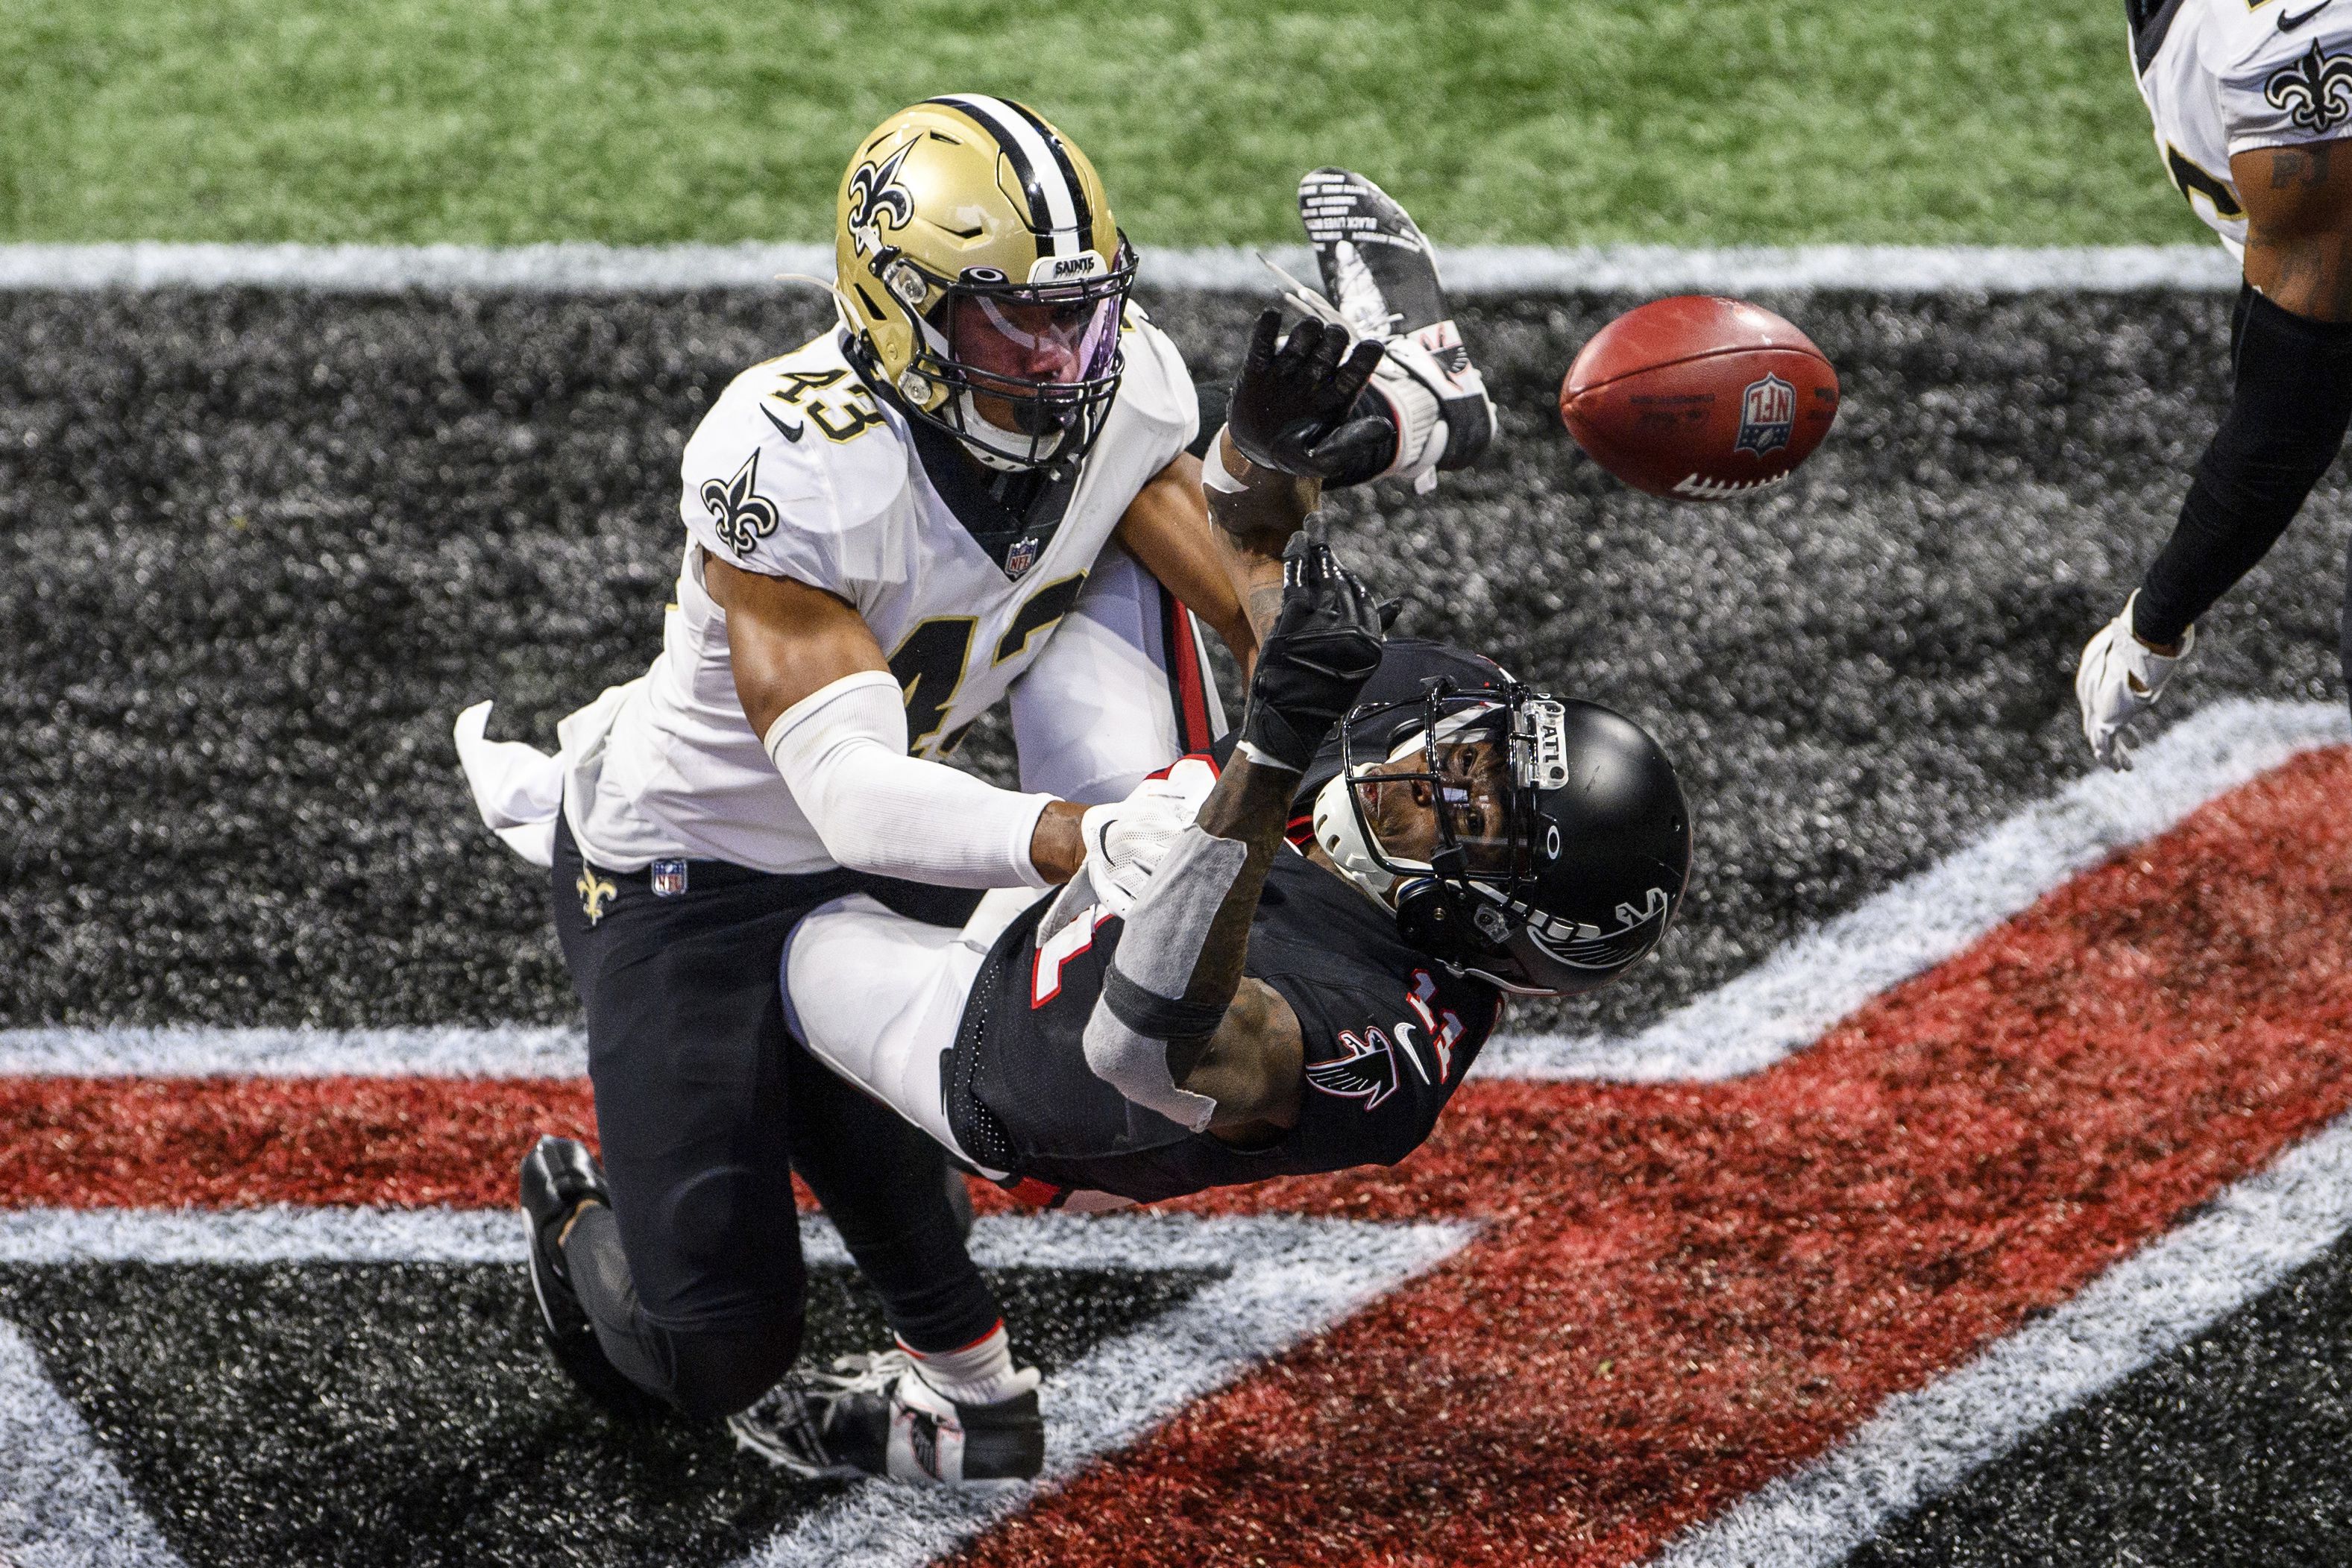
x=1015, y=347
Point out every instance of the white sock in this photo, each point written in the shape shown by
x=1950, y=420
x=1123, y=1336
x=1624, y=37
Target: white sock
x=981, y=1372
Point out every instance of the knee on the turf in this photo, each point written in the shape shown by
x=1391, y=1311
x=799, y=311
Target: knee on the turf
x=717, y=1371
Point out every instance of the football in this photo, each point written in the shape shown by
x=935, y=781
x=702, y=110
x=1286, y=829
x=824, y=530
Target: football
x=1699, y=398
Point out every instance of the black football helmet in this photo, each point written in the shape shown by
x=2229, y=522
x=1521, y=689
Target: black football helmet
x=1562, y=843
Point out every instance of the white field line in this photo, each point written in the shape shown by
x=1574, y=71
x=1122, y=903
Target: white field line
x=1470, y=270
x=108, y=1051
x=1283, y=1278
x=300, y=1233
x=1921, y=1445
x=1289, y=1279
x=1747, y=1023
x=1785, y=1003
x=62, y=1502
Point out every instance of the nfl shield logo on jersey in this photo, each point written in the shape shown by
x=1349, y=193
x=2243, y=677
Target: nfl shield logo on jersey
x=1022, y=555
x=1768, y=412
x=668, y=878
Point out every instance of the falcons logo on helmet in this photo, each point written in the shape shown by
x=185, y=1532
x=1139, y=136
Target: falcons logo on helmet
x=1368, y=1073
x=1584, y=947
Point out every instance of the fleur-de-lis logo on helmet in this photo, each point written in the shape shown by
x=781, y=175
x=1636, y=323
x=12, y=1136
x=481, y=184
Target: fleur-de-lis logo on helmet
x=874, y=189
x=2316, y=91
x=742, y=518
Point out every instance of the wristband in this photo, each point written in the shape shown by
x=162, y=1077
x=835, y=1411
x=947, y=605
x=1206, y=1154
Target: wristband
x=1214, y=474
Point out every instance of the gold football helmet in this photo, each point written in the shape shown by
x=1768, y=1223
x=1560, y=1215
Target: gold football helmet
x=982, y=277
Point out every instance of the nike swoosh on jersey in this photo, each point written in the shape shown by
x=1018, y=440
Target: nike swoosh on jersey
x=2288, y=24
x=789, y=432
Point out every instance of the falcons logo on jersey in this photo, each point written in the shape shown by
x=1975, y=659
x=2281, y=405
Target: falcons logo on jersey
x=1368, y=1073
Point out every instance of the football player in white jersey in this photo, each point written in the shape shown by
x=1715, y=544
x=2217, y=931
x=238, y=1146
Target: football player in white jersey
x=977, y=487
x=2252, y=105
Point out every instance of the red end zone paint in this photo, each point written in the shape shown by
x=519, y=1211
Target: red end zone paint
x=236, y=1143
x=221, y=1143
x=1687, y=1290
x=1682, y=1291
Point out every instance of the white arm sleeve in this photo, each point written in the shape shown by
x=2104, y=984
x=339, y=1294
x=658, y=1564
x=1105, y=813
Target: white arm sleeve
x=843, y=749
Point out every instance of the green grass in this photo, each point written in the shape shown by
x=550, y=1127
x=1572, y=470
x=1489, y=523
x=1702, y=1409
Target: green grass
x=643, y=120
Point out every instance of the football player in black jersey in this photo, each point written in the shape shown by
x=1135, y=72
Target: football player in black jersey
x=1261, y=1007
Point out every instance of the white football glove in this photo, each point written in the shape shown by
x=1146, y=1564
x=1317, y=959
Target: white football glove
x=1124, y=842
x=2120, y=678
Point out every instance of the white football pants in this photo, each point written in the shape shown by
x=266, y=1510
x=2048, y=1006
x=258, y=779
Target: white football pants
x=1122, y=689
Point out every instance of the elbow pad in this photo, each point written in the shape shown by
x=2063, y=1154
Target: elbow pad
x=843, y=751
x=2287, y=415
x=1142, y=1005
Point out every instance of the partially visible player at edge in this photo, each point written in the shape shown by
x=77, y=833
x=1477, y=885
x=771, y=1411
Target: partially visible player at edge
x=984, y=471
x=2252, y=100
x=1275, y=1002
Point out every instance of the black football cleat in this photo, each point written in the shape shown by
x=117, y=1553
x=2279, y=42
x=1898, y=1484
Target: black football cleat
x=559, y=1174
x=1378, y=274
x=874, y=1416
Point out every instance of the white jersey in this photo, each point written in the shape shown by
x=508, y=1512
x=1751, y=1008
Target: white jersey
x=2225, y=77
x=798, y=472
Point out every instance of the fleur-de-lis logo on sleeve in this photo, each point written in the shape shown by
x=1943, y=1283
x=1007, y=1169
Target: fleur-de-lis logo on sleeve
x=2316, y=90
x=742, y=517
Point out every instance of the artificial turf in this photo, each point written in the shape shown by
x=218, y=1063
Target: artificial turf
x=1527, y=122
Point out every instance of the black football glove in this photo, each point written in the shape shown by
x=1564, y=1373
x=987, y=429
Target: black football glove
x=1324, y=646
x=1291, y=404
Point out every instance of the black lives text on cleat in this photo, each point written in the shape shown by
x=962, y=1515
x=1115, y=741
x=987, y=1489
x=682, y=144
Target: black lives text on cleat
x=1380, y=275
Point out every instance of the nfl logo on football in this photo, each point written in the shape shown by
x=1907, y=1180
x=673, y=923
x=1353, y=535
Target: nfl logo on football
x=668, y=878
x=1768, y=412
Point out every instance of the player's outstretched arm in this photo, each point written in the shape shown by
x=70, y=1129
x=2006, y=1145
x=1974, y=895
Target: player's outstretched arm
x=1167, y=529
x=1289, y=426
x=817, y=691
x=1177, y=1029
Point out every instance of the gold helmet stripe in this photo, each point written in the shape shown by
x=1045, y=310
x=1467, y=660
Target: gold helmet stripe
x=1057, y=202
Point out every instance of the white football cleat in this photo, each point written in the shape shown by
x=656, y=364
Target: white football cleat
x=2120, y=678
x=874, y=1416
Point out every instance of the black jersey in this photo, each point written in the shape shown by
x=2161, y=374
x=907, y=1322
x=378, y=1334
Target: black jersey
x=1387, y=1036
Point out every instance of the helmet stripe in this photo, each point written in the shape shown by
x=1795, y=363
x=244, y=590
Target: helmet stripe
x=1054, y=201
x=1084, y=218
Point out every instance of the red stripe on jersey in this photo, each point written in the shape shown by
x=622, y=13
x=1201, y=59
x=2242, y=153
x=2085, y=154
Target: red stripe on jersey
x=1185, y=675
x=1682, y=1290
